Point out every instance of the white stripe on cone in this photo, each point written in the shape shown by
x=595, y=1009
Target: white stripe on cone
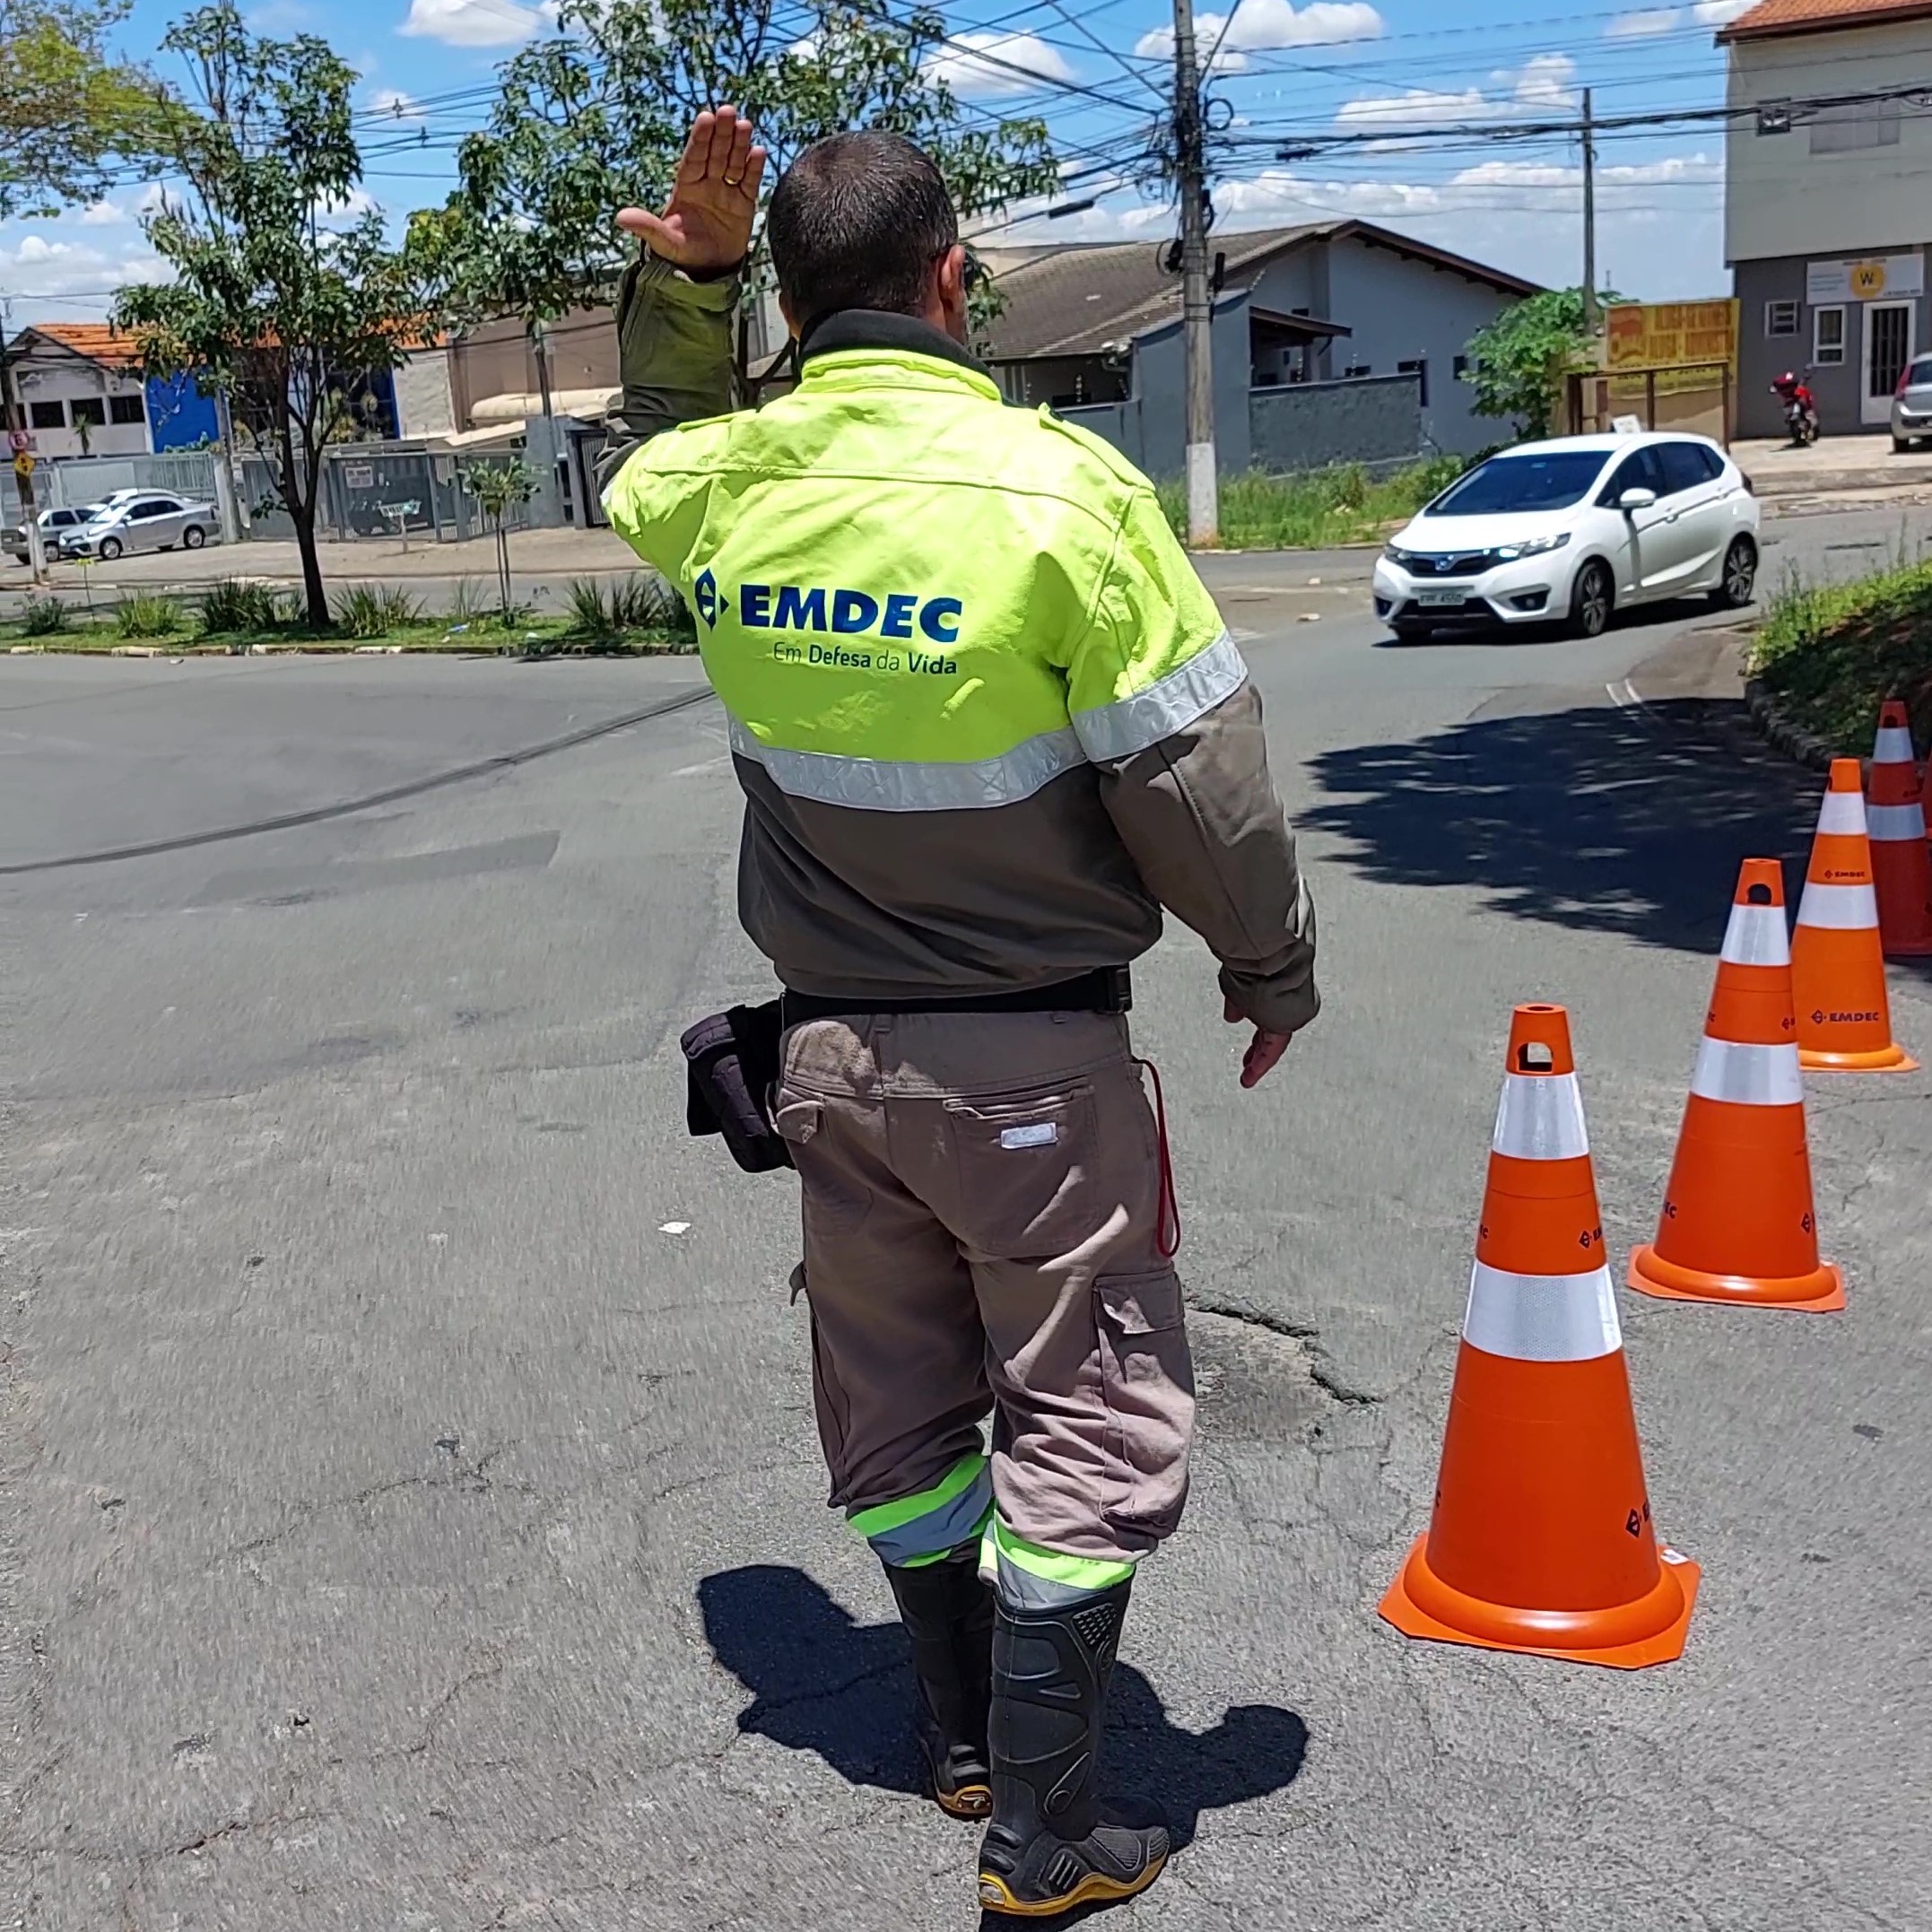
x=1840, y=908
x=1540, y=1117
x=1748, y=1074
x=1841, y=811
x=1756, y=936
x=1542, y=1318
x=1900, y=822
x=1892, y=746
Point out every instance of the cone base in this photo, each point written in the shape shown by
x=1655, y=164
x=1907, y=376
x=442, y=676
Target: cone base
x=1892, y=1059
x=1818, y=1292
x=1663, y=1616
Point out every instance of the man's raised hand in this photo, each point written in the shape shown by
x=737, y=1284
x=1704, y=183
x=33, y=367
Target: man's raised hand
x=705, y=227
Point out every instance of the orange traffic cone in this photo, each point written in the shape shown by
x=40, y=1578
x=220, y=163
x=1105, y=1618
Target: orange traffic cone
x=1895, y=821
x=1838, y=965
x=1737, y=1224
x=1541, y=1537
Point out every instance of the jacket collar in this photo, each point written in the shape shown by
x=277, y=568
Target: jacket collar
x=875, y=328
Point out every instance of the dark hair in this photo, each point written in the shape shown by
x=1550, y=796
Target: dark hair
x=857, y=221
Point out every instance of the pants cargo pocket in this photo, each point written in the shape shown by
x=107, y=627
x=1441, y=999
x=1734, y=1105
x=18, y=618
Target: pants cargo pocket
x=832, y=1409
x=1147, y=1379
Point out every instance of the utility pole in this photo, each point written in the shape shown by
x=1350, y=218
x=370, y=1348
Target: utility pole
x=16, y=419
x=1204, y=488
x=228, y=506
x=1590, y=219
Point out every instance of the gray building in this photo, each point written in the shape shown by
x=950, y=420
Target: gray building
x=1335, y=341
x=1826, y=217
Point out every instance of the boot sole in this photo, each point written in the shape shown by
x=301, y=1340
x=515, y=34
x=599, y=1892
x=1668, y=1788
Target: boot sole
x=1094, y=1889
x=970, y=1801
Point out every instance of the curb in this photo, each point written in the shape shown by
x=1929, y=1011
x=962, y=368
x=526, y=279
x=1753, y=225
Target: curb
x=1781, y=733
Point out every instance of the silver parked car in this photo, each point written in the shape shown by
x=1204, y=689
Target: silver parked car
x=54, y=524
x=1911, y=405
x=142, y=519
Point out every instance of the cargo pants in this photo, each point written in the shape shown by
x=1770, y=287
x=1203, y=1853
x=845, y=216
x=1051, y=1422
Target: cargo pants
x=982, y=1199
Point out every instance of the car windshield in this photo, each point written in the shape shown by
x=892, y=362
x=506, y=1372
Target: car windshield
x=1919, y=374
x=1552, y=479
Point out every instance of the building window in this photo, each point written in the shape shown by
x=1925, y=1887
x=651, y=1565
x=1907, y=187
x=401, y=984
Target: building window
x=46, y=416
x=1780, y=319
x=1357, y=369
x=1460, y=368
x=91, y=410
x=1827, y=336
x=126, y=410
x=1847, y=130
x=1417, y=367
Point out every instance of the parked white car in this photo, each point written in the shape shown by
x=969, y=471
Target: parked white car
x=54, y=524
x=133, y=520
x=1568, y=530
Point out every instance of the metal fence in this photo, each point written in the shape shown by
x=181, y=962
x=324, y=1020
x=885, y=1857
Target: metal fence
x=67, y=482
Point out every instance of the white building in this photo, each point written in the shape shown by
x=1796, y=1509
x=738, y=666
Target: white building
x=80, y=390
x=1828, y=202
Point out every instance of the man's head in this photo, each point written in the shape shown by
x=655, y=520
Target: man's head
x=863, y=221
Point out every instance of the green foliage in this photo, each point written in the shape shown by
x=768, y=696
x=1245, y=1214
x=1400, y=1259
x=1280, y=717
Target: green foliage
x=467, y=602
x=594, y=118
x=1518, y=363
x=603, y=614
x=43, y=617
x=499, y=488
x=1316, y=509
x=375, y=611
x=231, y=607
x=283, y=303
x=143, y=615
x=68, y=108
x=1830, y=653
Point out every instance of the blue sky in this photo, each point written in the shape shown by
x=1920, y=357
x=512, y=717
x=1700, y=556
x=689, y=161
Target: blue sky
x=1386, y=70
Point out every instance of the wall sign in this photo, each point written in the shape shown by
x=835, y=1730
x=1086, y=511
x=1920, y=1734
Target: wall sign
x=1872, y=279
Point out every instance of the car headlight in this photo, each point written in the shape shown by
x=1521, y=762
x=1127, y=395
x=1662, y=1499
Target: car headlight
x=1394, y=553
x=1534, y=547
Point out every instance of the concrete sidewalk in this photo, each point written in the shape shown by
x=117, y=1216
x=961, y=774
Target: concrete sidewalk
x=1844, y=471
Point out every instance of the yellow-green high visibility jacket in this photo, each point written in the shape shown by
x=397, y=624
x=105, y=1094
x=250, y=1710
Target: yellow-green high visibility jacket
x=987, y=719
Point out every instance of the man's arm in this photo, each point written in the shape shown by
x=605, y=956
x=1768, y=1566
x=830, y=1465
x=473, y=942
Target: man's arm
x=1162, y=701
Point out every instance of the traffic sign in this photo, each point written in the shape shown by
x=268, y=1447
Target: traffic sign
x=20, y=441
x=24, y=466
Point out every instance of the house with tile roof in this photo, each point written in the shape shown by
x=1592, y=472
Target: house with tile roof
x=1332, y=339
x=1827, y=214
x=81, y=389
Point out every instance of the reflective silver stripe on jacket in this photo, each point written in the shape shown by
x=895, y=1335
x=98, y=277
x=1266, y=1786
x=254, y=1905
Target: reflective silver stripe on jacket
x=1169, y=705
x=893, y=785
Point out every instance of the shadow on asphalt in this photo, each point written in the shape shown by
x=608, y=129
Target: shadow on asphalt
x=1628, y=821
x=820, y=1682
x=1685, y=610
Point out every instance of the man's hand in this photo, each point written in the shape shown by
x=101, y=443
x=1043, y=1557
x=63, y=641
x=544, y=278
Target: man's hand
x=1263, y=1050
x=705, y=227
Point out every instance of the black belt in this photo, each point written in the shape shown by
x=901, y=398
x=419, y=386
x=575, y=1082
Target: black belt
x=1105, y=989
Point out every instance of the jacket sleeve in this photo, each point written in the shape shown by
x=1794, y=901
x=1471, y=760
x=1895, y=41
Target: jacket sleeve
x=673, y=357
x=1162, y=704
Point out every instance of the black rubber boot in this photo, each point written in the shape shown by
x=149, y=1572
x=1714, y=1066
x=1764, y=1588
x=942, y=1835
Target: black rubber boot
x=948, y=1613
x=1049, y=1846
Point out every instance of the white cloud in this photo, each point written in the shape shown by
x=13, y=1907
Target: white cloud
x=955, y=63
x=1541, y=86
x=1717, y=12
x=472, y=23
x=1261, y=25
x=345, y=211
x=82, y=276
x=103, y=215
x=1644, y=25
x=393, y=104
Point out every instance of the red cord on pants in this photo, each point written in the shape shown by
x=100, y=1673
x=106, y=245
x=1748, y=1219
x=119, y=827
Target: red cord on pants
x=1166, y=1224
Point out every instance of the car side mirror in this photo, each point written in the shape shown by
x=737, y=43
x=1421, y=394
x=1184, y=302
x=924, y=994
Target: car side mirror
x=1638, y=498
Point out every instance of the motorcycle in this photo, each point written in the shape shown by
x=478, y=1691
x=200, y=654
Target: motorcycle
x=1800, y=410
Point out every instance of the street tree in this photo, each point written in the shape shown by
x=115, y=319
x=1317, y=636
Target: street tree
x=497, y=489
x=69, y=110
x=594, y=118
x=286, y=294
x=1518, y=363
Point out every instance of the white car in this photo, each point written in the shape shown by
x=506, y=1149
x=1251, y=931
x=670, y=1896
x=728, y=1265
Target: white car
x=142, y=519
x=54, y=524
x=1568, y=530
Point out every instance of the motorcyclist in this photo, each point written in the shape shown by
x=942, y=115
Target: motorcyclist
x=1800, y=406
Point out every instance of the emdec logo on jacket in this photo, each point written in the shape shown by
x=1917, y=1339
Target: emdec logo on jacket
x=899, y=616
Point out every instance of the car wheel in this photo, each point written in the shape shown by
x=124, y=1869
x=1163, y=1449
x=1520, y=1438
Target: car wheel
x=1738, y=584
x=1899, y=444
x=109, y=549
x=1591, y=600
x=194, y=537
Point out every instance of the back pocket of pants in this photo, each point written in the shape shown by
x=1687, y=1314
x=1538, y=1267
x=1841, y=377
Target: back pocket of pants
x=1026, y=1174
x=1147, y=1379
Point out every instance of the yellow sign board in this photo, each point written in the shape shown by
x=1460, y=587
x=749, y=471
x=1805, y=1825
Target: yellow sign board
x=24, y=466
x=1670, y=335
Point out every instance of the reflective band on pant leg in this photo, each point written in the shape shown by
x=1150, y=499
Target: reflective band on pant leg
x=1756, y=936
x=1034, y=1578
x=1748, y=1076
x=932, y=1521
x=1838, y=908
x=1540, y=1117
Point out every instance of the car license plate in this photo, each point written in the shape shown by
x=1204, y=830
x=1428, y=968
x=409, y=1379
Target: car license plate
x=1440, y=600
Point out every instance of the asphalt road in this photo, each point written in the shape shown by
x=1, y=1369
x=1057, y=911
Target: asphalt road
x=410, y=1512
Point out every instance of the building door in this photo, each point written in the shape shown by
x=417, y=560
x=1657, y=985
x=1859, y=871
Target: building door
x=1888, y=348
